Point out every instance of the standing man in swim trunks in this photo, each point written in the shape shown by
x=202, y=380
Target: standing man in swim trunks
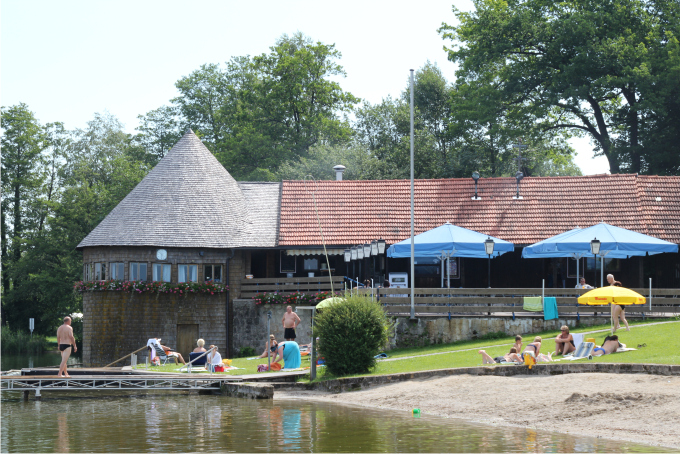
x=66, y=343
x=290, y=322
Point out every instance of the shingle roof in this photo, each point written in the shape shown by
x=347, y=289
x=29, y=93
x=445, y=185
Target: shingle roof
x=354, y=212
x=189, y=200
x=262, y=201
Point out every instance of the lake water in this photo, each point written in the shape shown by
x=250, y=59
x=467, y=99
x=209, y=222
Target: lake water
x=51, y=358
x=185, y=422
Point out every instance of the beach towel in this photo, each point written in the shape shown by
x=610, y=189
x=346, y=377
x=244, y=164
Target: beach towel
x=533, y=304
x=549, y=308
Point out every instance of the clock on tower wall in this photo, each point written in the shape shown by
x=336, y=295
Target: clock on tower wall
x=161, y=254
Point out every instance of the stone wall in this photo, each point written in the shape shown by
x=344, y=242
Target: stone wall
x=250, y=324
x=438, y=330
x=118, y=323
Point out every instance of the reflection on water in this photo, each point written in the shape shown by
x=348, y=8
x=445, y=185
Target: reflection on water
x=51, y=358
x=189, y=422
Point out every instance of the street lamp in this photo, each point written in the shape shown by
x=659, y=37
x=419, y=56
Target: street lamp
x=374, y=248
x=595, y=249
x=488, y=247
x=475, y=176
x=348, y=255
x=354, y=252
x=595, y=246
x=381, y=246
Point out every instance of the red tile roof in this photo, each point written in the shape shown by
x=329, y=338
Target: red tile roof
x=353, y=212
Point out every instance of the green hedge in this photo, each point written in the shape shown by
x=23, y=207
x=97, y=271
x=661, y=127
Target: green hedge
x=351, y=334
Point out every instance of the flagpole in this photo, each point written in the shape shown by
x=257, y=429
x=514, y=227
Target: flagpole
x=413, y=246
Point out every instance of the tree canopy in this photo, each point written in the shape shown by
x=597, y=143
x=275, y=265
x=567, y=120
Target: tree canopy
x=606, y=69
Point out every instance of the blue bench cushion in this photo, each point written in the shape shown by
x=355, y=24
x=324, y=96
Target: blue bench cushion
x=200, y=362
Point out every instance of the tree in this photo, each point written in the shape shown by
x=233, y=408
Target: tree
x=590, y=67
x=23, y=141
x=262, y=111
x=73, y=180
x=159, y=130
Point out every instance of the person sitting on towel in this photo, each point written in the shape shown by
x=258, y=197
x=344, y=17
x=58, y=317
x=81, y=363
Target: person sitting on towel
x=269, y=347
x=609, y=346
x=564, y=342
x=507, y=358
x=214, y=358
x=289, y=352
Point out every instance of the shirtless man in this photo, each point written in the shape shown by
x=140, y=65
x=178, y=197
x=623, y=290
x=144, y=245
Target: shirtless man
x=66, y=343
x=290, y=322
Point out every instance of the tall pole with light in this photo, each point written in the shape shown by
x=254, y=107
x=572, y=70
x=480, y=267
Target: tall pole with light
x=354, y=259
x=367, y=253
x=488, y=248
x=348, y=258
x=360, y=256
x=475, y=176
x=413, y=245
x=595, y=249
x=374, y=253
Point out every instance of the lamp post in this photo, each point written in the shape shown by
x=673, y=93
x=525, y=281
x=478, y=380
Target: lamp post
x=367, y=254
x=354, y=258
x=488, y=247
x=475, y=176
x=348, y=258
x=360, y=257
x=595, y=249
x=374, y=253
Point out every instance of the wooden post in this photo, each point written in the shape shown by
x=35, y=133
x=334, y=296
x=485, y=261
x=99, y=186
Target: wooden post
x=126, y=356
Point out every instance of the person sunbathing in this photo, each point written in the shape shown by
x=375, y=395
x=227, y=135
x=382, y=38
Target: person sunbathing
x=533, y=348
x=269, y=347
x=609, y=346
x=507, y=358
x=564, y=342
x=518, y=343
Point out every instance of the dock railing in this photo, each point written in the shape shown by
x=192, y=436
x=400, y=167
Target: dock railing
x=506, y=301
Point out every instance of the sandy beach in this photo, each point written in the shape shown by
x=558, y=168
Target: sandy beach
x=626, y=407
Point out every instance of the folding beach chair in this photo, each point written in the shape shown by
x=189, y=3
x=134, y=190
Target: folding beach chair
x=162, y=355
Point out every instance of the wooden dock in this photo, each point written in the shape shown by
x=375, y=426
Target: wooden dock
x=39, y=380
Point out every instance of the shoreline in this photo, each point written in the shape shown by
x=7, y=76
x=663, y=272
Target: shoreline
x=636, y=408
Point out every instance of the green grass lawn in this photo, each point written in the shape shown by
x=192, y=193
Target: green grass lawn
x=662, y=347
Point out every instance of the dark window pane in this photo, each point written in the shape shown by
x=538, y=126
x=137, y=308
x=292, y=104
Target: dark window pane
x=218, y=273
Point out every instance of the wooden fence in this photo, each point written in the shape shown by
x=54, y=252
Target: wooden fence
x=286, y=286
x=474, y=301
x=466, y=301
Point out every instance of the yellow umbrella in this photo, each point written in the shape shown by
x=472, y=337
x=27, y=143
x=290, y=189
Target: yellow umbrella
x=328, y=301
x=604, y=296
x=607, y=295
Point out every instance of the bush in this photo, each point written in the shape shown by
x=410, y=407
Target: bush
x=351, y=334
x=22, y=342
x=245, y=352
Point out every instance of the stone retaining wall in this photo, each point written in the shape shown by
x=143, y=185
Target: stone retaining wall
x=356, y=383
x=442, y=330
x=250, y=324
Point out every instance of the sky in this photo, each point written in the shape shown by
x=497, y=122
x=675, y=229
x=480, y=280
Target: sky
x=68, y=60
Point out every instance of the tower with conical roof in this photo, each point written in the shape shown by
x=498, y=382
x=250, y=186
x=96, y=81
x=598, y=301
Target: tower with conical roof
x=187, y=221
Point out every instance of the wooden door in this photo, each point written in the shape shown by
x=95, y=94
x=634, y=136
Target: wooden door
x=187, y=335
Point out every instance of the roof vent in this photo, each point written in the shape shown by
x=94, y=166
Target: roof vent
x=339, y=169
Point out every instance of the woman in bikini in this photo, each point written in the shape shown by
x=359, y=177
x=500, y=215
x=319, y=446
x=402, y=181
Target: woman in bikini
x=534, y=347
x=269, y=347
x=618, y=311
x=609, y=345
x=507, y=358
x=564, y=342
